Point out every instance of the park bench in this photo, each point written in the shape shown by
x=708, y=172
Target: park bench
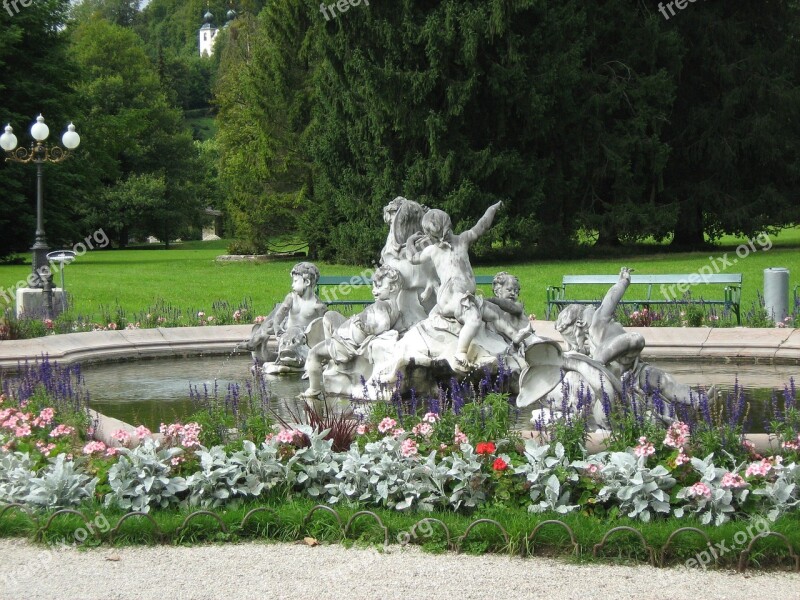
x=344, y=285
x=677, y=285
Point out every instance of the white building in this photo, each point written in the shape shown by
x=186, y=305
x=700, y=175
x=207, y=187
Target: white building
x=207, y=35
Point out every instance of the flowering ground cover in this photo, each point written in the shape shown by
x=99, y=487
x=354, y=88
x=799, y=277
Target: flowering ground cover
x=454, y=454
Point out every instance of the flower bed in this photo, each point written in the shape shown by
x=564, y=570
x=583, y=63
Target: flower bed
x=454, y=453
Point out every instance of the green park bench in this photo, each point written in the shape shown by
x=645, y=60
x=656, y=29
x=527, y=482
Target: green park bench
x=558, y=298
x=346, y=284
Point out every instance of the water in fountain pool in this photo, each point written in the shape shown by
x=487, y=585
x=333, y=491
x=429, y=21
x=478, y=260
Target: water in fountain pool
x=156, y=391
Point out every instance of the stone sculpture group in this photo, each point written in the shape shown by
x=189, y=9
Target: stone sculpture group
x=428, y=323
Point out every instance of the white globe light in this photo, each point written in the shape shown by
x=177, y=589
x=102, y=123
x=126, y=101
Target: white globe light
x=40, y=131
x=71, y=139
x=8, y=141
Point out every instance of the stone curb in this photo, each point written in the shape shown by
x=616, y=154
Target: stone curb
x=664, y=343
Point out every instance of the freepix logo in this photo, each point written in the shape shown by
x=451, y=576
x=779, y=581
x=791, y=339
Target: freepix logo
x=12, y=6
x=679, y=4
x=341, y=6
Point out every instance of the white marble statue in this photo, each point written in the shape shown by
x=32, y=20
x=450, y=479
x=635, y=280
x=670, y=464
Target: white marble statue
x=346, y=339
x=404, y=218
x=593, y=332
x=291, y=323
x=448, y=252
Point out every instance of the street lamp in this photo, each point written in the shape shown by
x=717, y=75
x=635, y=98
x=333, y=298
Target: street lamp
x=40, y=153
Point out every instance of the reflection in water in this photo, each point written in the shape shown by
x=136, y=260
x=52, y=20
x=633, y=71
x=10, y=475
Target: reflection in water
x=151, y=392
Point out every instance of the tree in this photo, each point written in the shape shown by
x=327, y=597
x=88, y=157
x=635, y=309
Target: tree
x=36, y=77
x=139, y=141
x=734, y=129
x=264, y=105
x=120, y=12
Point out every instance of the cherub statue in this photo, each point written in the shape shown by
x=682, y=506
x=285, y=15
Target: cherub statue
x=594, y=332
x=299, y=309
x=346, y=339
x=506, y=290
x=455, y=296
x=597, y=333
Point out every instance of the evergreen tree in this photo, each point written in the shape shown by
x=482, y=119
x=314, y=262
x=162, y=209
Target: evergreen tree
x=264, y=104
x=36, y=77
x=734, y=129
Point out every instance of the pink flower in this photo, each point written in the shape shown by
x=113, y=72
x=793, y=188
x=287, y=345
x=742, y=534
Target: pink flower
x=408, y=448
x=122, y=436
x=431, y=417
x=733, y=480
x=677, y=435
x=645, y=448
x=424, y=429
x=94, y=447
x=699, y=489
x=112, y=326
x=176, y=460
x=259, y=319
x=459, y=437
x=142, y=432
x=386, y=424
x=44, y=448
x=682, y=458
x=286, y=436
x=22, y=431
x=397, y=432
x=592, y=469
x=361, y=429
x=759, y=469
x=61, y=431
x=45, y=417
x=111, y=451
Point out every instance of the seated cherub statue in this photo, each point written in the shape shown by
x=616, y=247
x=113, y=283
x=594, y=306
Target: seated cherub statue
x=506, y=290
x=346, y=339
x=299, y=308
x=595, y=332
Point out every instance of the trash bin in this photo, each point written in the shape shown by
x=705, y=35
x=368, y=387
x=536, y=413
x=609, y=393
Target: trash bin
x=776, y=293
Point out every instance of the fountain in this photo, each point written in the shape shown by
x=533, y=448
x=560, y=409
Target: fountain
x=429, y=324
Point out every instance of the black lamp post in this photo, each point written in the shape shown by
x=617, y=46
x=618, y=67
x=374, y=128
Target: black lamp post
x=40, y=153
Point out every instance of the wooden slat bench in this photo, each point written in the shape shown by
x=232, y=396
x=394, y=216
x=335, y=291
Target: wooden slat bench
x=346, y=285
x=557, y=295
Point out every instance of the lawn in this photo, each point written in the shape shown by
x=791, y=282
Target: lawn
x=187, y=277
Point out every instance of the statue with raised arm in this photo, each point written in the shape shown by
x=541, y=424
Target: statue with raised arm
x=289, y=323
x=614, y=353
x=448, y=252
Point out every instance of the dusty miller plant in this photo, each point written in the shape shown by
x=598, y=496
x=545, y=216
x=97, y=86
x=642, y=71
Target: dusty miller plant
x=311, y=468
x=542, y=471
x=639, y=490
x=781, y=495
x=382, y=476
x=15, y=476
x=220, y=479
x=60, y=485
x=141, y=478
x=723, y=502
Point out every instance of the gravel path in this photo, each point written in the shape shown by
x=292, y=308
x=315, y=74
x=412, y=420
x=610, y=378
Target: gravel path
x=263, y=570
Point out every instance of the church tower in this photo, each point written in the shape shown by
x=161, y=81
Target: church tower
x=207, y=35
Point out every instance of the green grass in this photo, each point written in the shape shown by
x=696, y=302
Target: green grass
x=288, y=520
x=187, y=277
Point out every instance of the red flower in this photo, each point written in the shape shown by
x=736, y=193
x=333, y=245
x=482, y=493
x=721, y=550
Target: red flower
x=500, y=465
x=486, y=448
